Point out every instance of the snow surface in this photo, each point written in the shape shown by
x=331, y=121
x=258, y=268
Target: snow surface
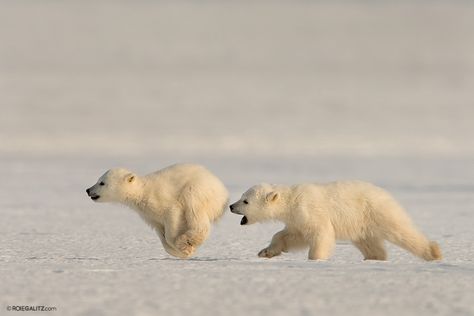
x=256, y=91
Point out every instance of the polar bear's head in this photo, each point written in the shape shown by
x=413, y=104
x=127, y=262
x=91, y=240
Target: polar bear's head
x=116, y=185
x=259, y=203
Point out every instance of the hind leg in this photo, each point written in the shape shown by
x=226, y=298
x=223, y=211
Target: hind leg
x=183, y=235
x=195, y=232
x=194, y=236
x=160, y=231
x=409, y=238
x=371, y=248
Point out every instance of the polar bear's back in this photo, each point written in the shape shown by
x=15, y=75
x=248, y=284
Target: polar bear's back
x=357, y=207
x=193, y=186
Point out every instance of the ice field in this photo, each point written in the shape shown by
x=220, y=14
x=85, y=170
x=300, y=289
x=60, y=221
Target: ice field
x=256, y=91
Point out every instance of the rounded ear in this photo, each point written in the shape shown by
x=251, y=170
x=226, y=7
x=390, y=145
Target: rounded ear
x=272, y=196
x=130, y=177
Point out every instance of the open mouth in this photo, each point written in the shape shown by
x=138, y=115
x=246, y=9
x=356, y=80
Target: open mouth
x=244, y=220
x=95, y=197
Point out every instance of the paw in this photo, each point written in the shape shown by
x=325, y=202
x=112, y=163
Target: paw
x=185, y=245
x=268, y=253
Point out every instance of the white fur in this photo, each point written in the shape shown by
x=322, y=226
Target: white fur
x=317, y=214
x=180, y=202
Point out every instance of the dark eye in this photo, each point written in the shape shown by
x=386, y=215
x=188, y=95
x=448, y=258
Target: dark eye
x=102, y=183
x=246, y=202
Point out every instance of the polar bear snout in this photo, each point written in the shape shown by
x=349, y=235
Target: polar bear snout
x=234, y=210
x=91, y=194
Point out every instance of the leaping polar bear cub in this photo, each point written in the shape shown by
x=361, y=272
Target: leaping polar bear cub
x=317, y=214
x=180, y=202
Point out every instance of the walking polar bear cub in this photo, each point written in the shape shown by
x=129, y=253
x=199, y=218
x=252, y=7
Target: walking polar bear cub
x=316, y=215
x=180, y=202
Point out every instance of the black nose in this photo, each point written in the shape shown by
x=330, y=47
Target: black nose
x=88, y=190
x=231, y=207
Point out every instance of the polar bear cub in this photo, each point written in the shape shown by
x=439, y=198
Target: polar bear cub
x=180, y=202
x=317, y=214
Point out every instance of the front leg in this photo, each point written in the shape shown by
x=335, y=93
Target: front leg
x=283, y=241
x=322, y=243
x=160, y=231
